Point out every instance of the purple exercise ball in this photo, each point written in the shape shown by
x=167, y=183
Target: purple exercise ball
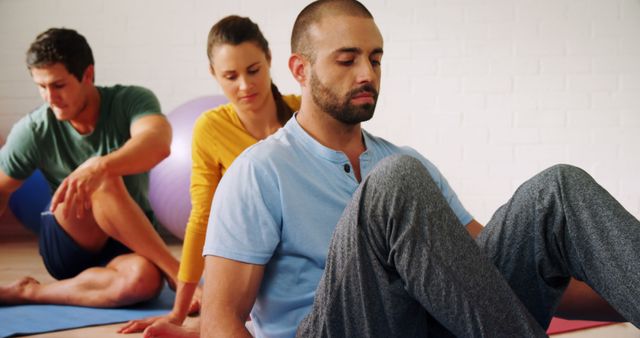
x=170, y=179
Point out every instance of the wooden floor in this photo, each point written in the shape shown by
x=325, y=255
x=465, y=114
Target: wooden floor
x=19, y=257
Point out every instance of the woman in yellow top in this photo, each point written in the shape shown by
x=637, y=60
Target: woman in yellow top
x=240, y=61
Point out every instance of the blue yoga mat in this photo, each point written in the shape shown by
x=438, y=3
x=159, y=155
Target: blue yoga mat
x=32, y=319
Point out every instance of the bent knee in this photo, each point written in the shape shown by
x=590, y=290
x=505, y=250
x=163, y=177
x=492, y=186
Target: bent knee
x=139, y=280
x=112, y=186
x=398, y=168
x=566, y=173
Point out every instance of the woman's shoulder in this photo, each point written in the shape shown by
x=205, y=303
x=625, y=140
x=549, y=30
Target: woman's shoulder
x=293, y=101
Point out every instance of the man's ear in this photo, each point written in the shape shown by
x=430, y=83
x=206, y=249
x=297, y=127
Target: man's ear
x=298, y=66
x=89, y=74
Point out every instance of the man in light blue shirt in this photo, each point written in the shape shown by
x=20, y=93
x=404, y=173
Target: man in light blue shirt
x=327, y=230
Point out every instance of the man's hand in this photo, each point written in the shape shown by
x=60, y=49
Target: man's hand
x=138, y=325
x=158, y=322
x=76, y=190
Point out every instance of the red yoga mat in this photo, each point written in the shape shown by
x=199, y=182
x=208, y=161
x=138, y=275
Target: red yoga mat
x=562, y=325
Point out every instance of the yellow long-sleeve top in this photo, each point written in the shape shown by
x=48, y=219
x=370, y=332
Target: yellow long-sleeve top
x=218, y=138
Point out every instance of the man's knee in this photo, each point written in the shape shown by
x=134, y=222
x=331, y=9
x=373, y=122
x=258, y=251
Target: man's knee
x=399, y=171
x=564, y=174
x=138, y=279
x=112, y=186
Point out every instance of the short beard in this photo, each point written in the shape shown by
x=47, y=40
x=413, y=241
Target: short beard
x=344, y=111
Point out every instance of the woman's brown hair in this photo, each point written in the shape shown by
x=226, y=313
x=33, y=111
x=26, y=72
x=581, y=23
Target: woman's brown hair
x=234, y=30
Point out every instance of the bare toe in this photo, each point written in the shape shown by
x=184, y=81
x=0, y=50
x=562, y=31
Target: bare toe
x=18, y=291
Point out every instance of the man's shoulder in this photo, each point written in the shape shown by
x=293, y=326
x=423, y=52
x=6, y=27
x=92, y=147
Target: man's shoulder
x=386, y=147
x=36, y=121
x=128, y=94
x=119, y=89
x=276, y=149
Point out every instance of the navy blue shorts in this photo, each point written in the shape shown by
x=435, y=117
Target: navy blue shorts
x=63, y=257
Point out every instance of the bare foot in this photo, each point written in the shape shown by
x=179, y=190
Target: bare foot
x=166, y=329
x=18, y=292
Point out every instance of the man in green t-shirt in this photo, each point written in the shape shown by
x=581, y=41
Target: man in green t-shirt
x=94, y=146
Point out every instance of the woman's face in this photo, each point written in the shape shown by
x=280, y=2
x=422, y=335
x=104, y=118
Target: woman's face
x=243, y=74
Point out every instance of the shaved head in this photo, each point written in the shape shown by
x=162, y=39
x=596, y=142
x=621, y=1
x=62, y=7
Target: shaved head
x=314, y=13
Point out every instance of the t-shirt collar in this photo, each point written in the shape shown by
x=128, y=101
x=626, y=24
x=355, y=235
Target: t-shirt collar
x=316, y=147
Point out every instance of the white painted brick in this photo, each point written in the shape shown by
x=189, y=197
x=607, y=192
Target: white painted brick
x=540, y=47
x=463, y=135
x=566, y=100
x=625, y=100
x=489, y=48
x=437, y=53
x=397, y=50
x=419, y=66
x=20, y=106
x=630, y=81
x=463, y=66
x=497, y=186
x=619, y=64
x=586, y=156
x=534, y=10
x=495, y=11
x=18, y=89
x=592, y=83
x=546, y=155
x=615, y=136
x=630, y=186
x=440, y=154
x=565, y=65
x=437, y=120
x=510, y=103
x=567, y=136
x=456, y=171
x=459, y=103
x=630, y=10
x=423, y=135
x=484, y=152
x=594, y=9
x=448, y=31
x=607, y=28
x=540, y=119
x=592, y=47
x=437, y=48
x=630, y=50
x=542, y=83
x=593, y=118
x=494, y=118
x=13, y=68
x=515, y=65
x=436, y=85
x=631, y=203
x=513, y=31
x=487, y=84
x=630, y=118
x=565, y=29
x=514, y=136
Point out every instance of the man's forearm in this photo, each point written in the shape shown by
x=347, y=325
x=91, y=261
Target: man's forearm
x=137, y=155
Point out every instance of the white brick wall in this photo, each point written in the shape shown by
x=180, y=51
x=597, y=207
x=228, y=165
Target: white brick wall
x=492, y=92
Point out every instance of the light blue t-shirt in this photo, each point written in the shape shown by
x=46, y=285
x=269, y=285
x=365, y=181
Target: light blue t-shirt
x=278, y=204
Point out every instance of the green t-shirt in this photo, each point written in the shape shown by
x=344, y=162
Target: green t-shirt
x=40, y=141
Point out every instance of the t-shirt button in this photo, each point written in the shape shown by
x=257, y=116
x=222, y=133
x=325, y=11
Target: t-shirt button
x=347, y=168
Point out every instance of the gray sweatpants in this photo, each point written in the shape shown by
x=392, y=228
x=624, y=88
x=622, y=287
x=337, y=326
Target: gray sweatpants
x=400, y=264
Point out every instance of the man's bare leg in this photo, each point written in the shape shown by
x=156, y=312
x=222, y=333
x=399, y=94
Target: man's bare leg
x=115, y=214
x=126, y=280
